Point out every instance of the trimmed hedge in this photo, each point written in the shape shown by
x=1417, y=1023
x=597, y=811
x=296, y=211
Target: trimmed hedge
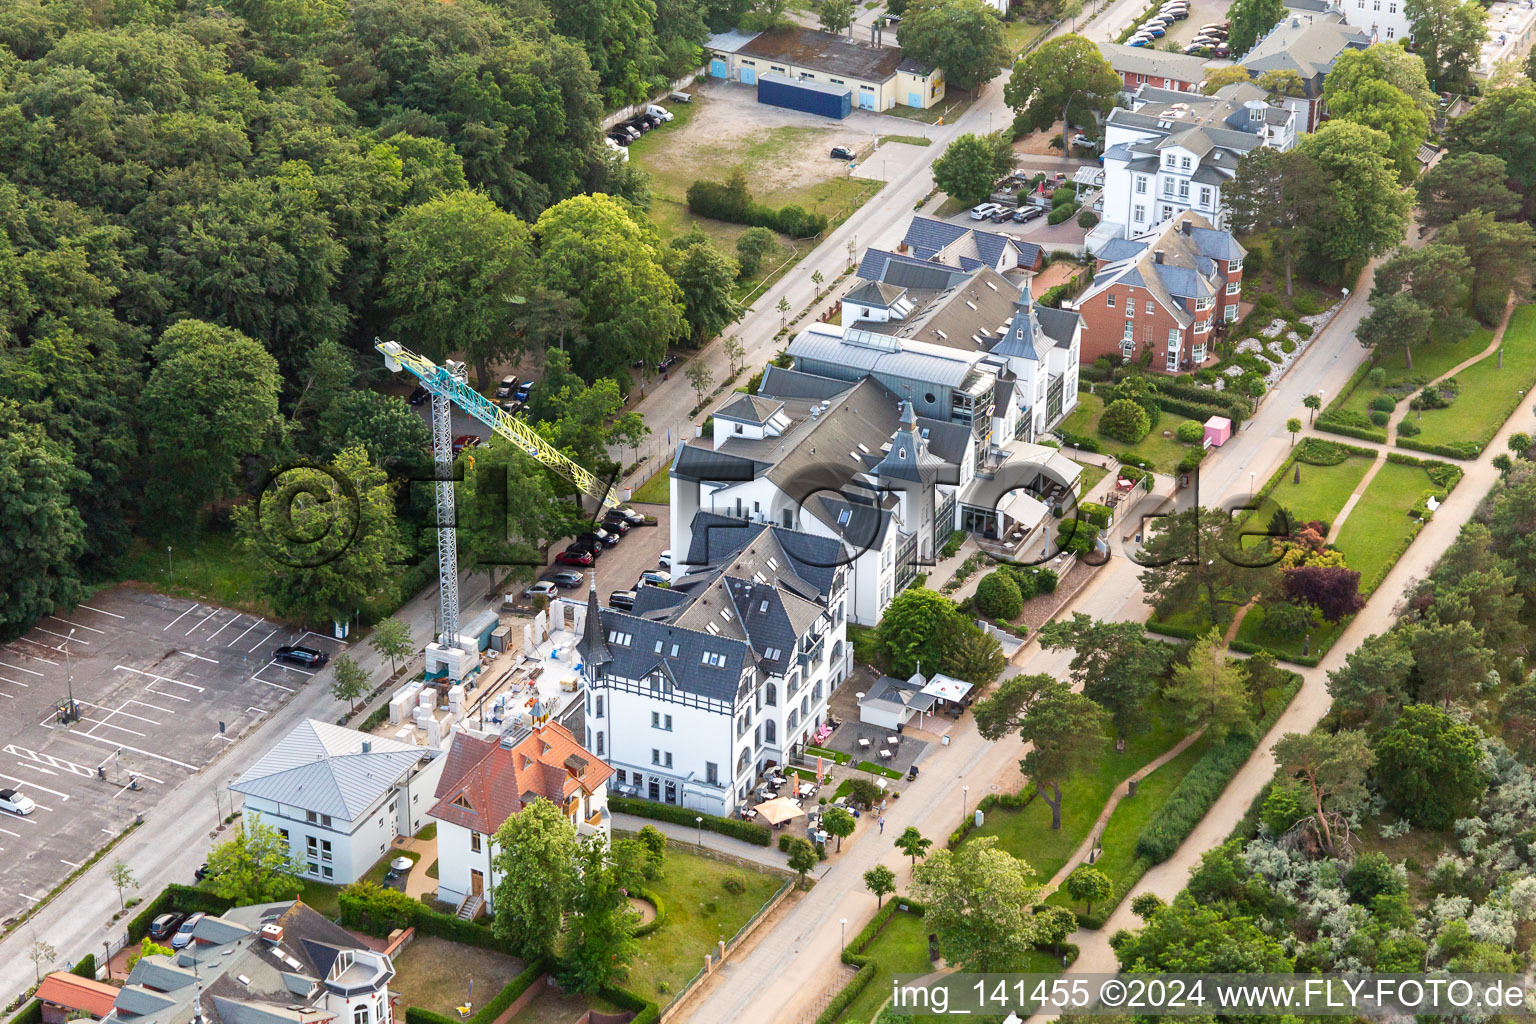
x=491, y=1010
x=644, y=1010
x=661, y=913
x=747, y=831
x=853, y=957
x=1079, y=441
x=1199, y=789
x=376, y=910
x=731, y=201
x=1457, y=450
x=1177, y=631
x=1007, y=801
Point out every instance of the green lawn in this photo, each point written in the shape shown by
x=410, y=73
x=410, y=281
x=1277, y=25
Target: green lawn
x=1119, y=860
x=1091, y=475
x=902, y=948
x=1019, y=33
x=954, y=103
x=1429, y=362
x=1379, y=529
x=1287, y=645
x=910, y=140
x=1027, y=834
x=554, y=1007
x=1489, y=393
x=210, y=565
x=321, y=896
x=699, y=913
x=1163, y=452
x=1323, y=489
x=655, y=491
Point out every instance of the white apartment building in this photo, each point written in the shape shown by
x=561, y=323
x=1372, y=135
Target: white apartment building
x=728, y=671
x=339, y=797
x=1173, y=151
x=488, y=779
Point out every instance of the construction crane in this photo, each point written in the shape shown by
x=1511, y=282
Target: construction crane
x=448, y=385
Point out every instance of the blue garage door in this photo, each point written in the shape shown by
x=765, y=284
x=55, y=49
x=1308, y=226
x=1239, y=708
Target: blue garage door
x=914, y=99
x=717, y=68
x=866, y=98
x=749, y=76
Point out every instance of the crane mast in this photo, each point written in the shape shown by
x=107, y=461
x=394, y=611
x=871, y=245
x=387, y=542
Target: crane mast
x=449, y=386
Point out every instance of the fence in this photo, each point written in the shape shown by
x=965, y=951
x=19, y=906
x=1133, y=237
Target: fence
x=625, y=113
x=731, y=944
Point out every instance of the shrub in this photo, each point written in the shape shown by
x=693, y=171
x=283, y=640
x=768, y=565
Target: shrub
x=1190, y=432
x=1377, y=377
x=1306, y=304
x=1379, y=418
x=1061, y=213
x=952, y=543
x=734, y=884
x=753, y=248
x=1383, y=403
x=655, y=922
x=1317, y=452
x=731, y=201
x=751, y=832
x=1191, y=459
x=1087, y=219
x=1285, y=805
x=1124, y=420
x=1077, y=536
x=998, y=597
x=1093, y=512
x=1032, y=580
x=1087, y=444
x=1305, y=330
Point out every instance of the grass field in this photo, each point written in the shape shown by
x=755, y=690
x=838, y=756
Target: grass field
x=1164, y=452
x=1379, y=529
x=1323, y=489
x=655, y=491
x=208, y=566
x=1091, y=476
x=902, y=948
x=1429, y=362
x=434, y=974
x=1489, y=393
x=1027, y=833
x=699, y=913
x=1019, y=33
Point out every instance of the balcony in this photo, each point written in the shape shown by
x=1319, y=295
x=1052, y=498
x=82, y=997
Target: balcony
x=595, y=822
x=813, y=655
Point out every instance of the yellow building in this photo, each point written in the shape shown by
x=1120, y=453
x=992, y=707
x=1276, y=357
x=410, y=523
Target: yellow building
x=876, y=77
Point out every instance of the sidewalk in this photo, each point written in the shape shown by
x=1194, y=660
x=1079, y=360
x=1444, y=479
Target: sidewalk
x=766, y=855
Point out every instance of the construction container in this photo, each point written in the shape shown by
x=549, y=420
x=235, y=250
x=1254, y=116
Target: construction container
x=808, y=97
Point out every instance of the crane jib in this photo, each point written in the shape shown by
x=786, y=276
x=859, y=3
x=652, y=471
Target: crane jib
x=440, y=381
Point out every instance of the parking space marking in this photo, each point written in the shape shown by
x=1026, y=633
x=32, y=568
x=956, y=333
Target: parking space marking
x=172, y=696
x=199, y=657
x=10, y=833
x=15, y=682
x=156, y=707
x=29, y=640
x=322, y=636
x=237, y=617
x=263, y=640
x=50, y=760
x=33, y=785
x=36, y=768
x=178, y=618
x=163, y=679
x=118, y=711
x=8, y=696
x=274, y=663
x=280, y=686
x=136, y=750
x=68, y=862
x=79, y=625
x=103, y=611
x=62, y=636
x=18, y=668
x=243, y=632
x=204, y=619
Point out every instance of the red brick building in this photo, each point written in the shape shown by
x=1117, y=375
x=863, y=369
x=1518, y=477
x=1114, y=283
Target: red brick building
x=1143, y=65
x=1169, y=294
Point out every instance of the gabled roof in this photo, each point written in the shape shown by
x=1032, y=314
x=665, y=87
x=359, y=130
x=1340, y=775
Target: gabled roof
x=749, y=409
x=76, y=993
x=909, y=271
x=718, y=540
x=1143, y=60
x=874, y=293
x=325, y=768
x=779, y=382
x=1305, y=45
x=497, y=781
x=1175, y=265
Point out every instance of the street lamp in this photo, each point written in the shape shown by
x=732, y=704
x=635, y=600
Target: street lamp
x=843, y=924
x=69, y=671
x=170, y=566
x=965, y=801
x=1251, y=476
x=698, y=822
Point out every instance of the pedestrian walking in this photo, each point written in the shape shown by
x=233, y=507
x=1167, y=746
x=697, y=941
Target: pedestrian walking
x=882, y=824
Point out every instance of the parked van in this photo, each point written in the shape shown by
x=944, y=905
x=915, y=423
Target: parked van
x=661, y=112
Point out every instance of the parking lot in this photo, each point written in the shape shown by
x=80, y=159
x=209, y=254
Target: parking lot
x=1201, y=12
x=163, y=685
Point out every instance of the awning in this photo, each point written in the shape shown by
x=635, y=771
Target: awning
x=947, y=687
x=1023, y=508
x=778, y=810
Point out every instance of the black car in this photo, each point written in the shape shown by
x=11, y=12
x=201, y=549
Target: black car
x=598, y=536
x=622, y=138
x=420, y=395
x=308, y=657
x=616, y=524
x=198, y=875
x=164, y=926
x=624, y=600
x=842, y=153
x=581, y=547
x=1001, y=215
x=629, y=515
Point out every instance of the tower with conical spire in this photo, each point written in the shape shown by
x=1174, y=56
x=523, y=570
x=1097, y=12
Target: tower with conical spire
x=592, y=647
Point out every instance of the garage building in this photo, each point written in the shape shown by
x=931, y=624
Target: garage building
x=875, y=77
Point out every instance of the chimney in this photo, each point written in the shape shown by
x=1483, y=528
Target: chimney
x=273, y=933
x=1186, y=227
x=367, y=746
x=1157, y=255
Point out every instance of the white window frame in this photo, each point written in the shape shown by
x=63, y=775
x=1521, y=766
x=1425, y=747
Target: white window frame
x=1172, y=363
x=1230, y=313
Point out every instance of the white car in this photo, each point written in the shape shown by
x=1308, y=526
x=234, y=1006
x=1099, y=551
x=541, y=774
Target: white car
x=183, y=937
x=665, y=559
x=544, y=588
x=661, y=112
x=16, y=803
x=984, y=211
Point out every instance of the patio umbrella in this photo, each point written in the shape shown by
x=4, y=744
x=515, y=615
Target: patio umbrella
x=402, y=863
x=778, y=810
x=818, y=770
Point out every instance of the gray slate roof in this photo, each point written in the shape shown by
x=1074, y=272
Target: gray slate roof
x=779, y=382
x=322, y=767
x=1143, y=60
x=908, y=271
x=749, y=409
x=834, y=54
x=1307, y=46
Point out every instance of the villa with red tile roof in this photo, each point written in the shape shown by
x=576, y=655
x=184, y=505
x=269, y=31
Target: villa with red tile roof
x=487, y=780
x=64, y=995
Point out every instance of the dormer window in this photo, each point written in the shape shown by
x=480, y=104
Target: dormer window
x=462, y=801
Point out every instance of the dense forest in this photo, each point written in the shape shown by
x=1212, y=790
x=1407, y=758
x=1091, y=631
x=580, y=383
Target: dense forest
x=208, y=212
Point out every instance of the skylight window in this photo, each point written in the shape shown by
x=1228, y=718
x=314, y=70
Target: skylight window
x=763, y=608
x=773, y=563
x=712, y=629
x=843, y=516
x=712, y=658
x=618, y=637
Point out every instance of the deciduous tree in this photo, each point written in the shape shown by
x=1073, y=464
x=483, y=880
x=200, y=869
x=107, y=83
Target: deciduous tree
x=1332, y=590
x=348, y=680
x=917, y=629
x=1251, y=19
x=838, y=822
x=255, y=866
x=1449, y=36
x=1502, y=124
x=41, y=534
x=1436, y=275
x=835, y=15
x=1088, y=885
x=881, y=881
x=1065, y=74
x=1429, y=766
x=392, y=639
x=978, y=902
x=1065, y=730
x=912, y=843
x=802, y=857
x=972, y=164
x=1217, y=79
x=1373, y=101
x=599, y=944
x=1372, y=208
x=707, y=278
x=535, y=857
x=964, y=38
